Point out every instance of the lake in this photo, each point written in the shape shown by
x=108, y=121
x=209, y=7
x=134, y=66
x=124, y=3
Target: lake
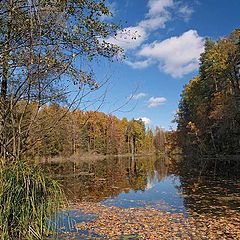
x=140, y=183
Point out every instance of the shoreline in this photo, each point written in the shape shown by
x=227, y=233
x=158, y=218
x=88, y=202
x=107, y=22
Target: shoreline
x=91, y=157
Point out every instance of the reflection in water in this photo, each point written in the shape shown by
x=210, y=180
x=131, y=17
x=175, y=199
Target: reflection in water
x=216, y=196
x=144, y=181
x=141, y=182
x=108, y=178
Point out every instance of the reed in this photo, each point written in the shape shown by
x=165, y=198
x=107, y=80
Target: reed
x=29, y=201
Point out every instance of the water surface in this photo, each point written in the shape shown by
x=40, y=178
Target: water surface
x=141, y=182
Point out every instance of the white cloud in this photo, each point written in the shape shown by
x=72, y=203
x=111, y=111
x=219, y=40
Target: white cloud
x=157, y=15
x=155, y=22
x=177, y=55
x=154, y=102
x=139, y=64
x=137, y=96
x=185, y=12
x=134, y=36
x=129, y=38
x=146, y=120
x=157, y=7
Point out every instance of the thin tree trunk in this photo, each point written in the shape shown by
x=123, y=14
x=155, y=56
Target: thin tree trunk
x=4, y=83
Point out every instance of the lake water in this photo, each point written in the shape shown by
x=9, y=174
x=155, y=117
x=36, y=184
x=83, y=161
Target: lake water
x=142, y=182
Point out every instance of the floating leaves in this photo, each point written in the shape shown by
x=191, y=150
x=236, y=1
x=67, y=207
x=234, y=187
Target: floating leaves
x=150, y=223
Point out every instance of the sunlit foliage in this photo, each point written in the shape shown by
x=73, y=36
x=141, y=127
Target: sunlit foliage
x=209, y=111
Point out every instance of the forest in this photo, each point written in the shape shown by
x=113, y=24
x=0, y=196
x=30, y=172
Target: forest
x=142, y=186
x=93, y=132
x=208, y=117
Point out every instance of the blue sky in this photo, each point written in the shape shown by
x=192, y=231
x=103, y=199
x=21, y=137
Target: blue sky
x=164, y=56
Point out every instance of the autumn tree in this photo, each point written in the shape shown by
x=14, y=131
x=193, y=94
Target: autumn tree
x=149, y=141
x=89, y=132
x=209, y=110
x=45, y=50
x=159, y=140
x=135, y=134
x=46, y=47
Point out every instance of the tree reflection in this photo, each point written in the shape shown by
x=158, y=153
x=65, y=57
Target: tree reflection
x=88, y=181
x=207, y=193
x=101, y=180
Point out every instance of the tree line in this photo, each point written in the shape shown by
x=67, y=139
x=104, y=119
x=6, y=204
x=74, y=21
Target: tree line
x=91, y=131
x=208, y=117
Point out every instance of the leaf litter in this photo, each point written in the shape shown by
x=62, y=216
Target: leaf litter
x=150, y=223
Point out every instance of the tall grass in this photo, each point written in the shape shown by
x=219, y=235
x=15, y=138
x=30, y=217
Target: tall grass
x=29, y=200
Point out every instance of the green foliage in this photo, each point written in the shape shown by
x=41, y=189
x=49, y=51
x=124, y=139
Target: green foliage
x=28, y=199
x=209, y=110
x=135, y=134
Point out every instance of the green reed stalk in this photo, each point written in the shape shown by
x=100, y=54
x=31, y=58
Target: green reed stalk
x=29, y=200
